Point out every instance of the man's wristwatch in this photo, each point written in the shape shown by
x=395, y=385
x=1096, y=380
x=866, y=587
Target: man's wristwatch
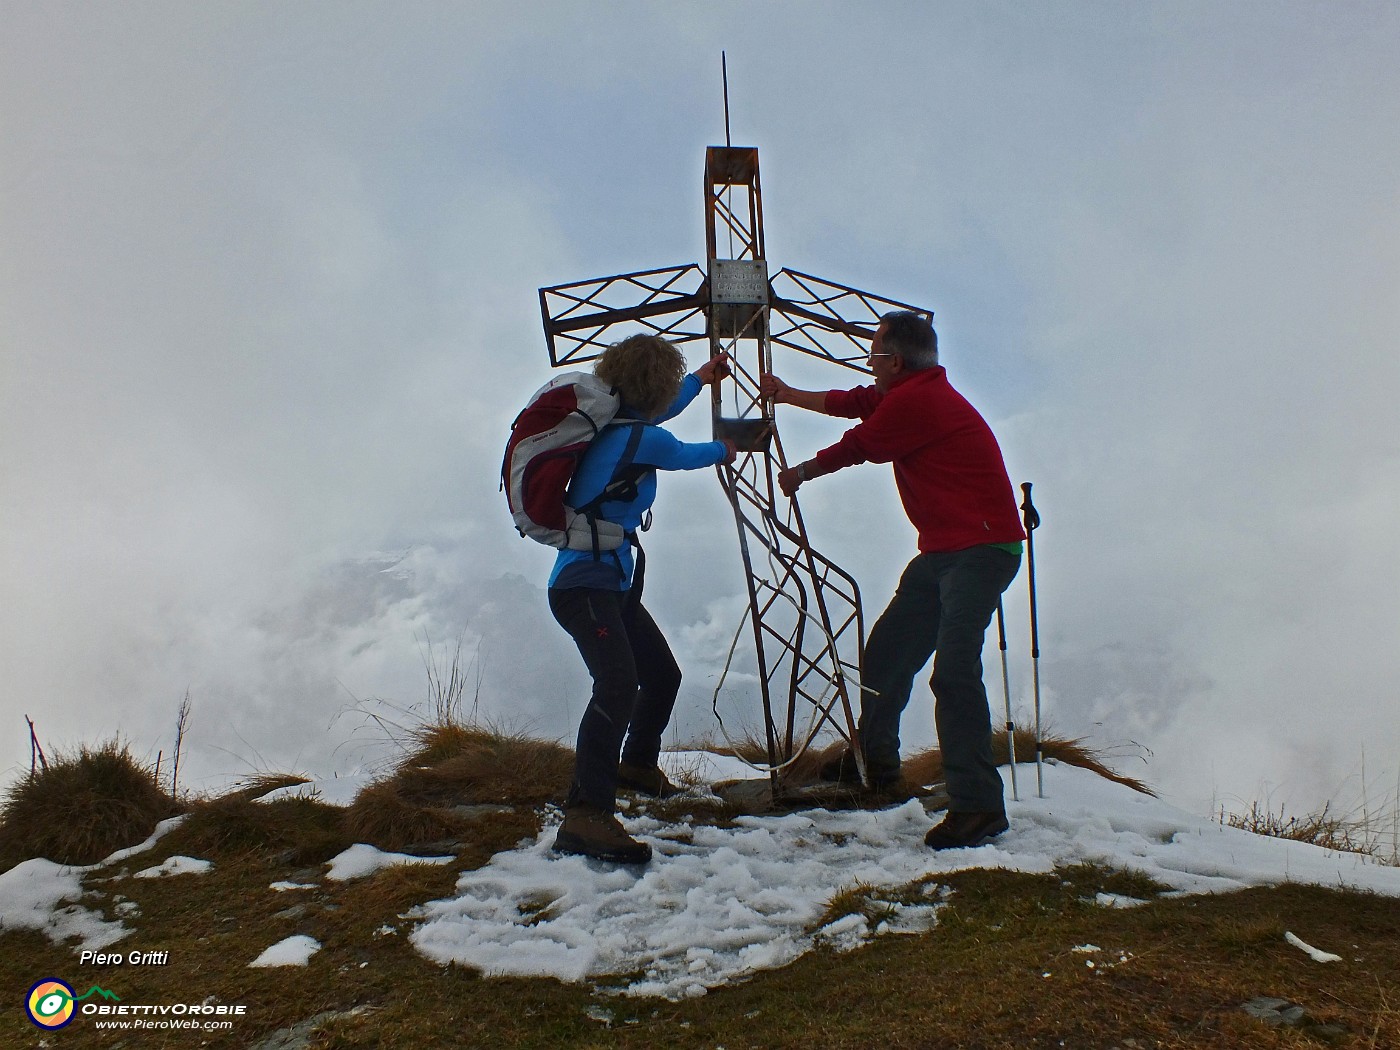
x=802, y=471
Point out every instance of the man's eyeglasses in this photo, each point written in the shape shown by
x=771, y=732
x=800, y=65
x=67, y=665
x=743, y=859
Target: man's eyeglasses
x=870, y=358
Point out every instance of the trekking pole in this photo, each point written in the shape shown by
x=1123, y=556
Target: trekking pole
x=1006, y=696
x=1030, y=517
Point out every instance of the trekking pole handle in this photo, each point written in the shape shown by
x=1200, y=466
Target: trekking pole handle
x=1029, y=515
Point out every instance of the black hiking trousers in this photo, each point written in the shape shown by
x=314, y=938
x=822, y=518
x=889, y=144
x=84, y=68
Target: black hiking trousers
x=635, y=682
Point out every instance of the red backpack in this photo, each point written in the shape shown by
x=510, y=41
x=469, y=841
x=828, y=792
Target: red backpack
x=547, y=440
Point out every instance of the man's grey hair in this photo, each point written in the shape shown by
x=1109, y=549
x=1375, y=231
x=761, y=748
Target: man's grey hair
x=911, y=336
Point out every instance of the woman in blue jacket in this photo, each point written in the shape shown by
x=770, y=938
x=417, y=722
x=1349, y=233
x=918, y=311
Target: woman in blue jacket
x=597, y=595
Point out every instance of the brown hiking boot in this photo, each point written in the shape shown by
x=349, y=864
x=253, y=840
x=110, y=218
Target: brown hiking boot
x=961, y=830
x=591, y=832
x=651, y=781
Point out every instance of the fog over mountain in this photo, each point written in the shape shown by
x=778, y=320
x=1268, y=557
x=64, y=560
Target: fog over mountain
x=268, y=283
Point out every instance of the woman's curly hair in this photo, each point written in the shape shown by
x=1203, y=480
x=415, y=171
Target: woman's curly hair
x=646, y=370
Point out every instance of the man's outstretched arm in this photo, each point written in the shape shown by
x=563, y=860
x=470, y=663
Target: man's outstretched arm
x=770, y=386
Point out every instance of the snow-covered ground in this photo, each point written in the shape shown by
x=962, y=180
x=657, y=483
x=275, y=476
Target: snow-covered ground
x=41, y=895
x=715, y=905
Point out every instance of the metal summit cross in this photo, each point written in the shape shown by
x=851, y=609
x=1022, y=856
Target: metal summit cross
x=804, y=610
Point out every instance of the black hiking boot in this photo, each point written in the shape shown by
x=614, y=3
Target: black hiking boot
x=962, y=830
x=591, y=832
x=651, y=781
x=842, y=770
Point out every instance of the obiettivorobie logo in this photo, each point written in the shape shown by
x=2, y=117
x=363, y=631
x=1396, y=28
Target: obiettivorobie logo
x=51, y=1002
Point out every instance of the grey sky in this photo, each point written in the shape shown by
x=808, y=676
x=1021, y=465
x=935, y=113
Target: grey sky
x=268, y=284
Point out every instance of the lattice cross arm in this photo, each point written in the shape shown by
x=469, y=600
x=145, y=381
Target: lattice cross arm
x=830, y=321
x=581, y=319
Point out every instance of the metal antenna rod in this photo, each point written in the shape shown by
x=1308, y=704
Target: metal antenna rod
x=724, y=69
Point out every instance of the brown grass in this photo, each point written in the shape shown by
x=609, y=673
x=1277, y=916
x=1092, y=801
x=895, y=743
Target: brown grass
x=467, y=764
x=998, y=971
x=295, y=831
x=926, y=767
x=82, y=807
x=266, y=783
x=450, y=769
x=385, y=815
x=1323, y=828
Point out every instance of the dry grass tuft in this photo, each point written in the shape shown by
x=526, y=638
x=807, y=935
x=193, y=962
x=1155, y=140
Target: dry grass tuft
x=256, y=787
x=82, y=807
x=293, y=830
x=926, y=767
x=1323, y=828
x=384, y=816
x=452, y=765
x=804, y=769
x=860, y=899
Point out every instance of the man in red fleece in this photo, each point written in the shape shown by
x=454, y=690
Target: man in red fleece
x=953, y=483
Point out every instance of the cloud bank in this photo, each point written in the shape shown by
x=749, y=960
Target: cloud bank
x=268, y=274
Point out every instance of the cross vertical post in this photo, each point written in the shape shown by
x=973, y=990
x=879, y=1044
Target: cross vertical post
x=804, y=612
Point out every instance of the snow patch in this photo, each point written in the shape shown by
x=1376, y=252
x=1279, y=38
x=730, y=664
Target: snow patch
x=1116, y=900
x=715, y=903
x=337, y=791
x=36, y=895
x=176, y=865
x=293, y=951
x=362, y=859
x=41, y=895
x=1316, y=954
x=161, y=830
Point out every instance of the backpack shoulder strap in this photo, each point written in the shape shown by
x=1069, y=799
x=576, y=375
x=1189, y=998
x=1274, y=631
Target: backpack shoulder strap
x=626, y=476
x=628, y=472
